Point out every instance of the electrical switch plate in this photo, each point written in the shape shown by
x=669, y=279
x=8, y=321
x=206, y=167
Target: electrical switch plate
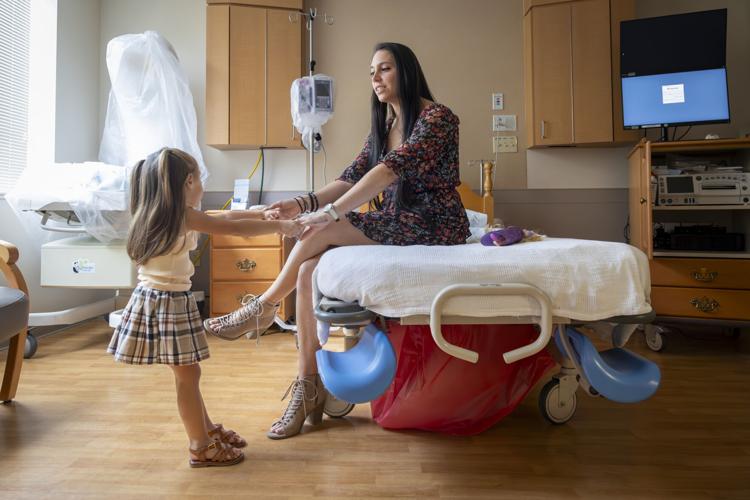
x=503, y=123
x=505, y=144
x=497, y=101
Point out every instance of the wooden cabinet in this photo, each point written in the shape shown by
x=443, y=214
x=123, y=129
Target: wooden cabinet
x=571, y=72
x=253, y=54
x=241, y=266
x=691, y=284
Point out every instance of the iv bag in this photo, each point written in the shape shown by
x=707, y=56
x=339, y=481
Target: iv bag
x=312, y=105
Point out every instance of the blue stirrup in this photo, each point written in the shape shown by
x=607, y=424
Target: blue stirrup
x=362, y=373
x=616, y=374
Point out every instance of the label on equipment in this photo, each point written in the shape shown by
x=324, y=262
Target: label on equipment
x=84, y=266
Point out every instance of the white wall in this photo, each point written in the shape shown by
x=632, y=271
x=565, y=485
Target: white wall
x=577, y=168
x=183, y=23
x=77, y=108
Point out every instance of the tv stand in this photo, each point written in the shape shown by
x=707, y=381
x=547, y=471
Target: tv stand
x=664, y=136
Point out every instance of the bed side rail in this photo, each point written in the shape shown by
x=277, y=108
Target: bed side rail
x=514, y=289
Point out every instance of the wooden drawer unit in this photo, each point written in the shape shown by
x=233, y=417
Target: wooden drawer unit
x=706, y=303
x=241, y=266
x=690, y=283
x=705, y=273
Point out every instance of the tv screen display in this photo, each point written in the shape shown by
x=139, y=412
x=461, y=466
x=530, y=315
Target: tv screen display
x=675, y=98
x=673, y=70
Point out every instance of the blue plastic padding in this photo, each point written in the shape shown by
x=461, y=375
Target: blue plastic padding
x=362, y=373
x=617, y=374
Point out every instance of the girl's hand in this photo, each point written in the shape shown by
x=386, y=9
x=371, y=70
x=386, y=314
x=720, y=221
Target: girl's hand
x=314, y=223
x=284, y=210
x=290, y=228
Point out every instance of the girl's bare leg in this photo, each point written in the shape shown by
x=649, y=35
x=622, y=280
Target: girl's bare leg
x=190, y=405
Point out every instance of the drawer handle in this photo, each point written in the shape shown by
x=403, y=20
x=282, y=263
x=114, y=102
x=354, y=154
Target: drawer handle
x=246, y=265
x=241, y=296
x=704, y=304
x=704, y=275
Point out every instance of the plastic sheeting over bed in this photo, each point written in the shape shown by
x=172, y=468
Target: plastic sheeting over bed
x=585, y=280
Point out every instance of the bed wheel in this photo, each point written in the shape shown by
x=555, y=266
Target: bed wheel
x=654, y=337
x=335, y=408
x=29, y=349
x=554, y=410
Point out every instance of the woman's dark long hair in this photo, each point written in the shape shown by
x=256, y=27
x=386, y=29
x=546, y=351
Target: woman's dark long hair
x=412, y=88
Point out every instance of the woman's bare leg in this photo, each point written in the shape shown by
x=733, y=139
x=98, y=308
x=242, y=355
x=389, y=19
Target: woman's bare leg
x=306, y=323
x=340, y=233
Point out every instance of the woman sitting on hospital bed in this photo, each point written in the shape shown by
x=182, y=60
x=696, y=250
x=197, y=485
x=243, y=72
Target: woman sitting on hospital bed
x=411, y=157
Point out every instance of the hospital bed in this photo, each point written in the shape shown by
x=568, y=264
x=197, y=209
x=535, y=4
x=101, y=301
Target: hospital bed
x=88, y=203
x=558, y=284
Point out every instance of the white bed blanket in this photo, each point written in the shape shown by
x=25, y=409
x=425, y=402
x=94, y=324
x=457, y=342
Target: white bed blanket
x=585, y=280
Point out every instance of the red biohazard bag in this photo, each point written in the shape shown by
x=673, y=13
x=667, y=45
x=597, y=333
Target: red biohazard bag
x=434, y=391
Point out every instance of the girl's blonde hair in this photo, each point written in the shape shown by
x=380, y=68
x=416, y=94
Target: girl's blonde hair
x=157, y=202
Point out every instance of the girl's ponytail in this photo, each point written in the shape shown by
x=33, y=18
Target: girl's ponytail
x=157, y=203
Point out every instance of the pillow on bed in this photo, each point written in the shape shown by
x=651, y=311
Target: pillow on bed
x=477, y=225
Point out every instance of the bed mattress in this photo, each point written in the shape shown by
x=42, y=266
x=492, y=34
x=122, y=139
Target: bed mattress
x=585, y=280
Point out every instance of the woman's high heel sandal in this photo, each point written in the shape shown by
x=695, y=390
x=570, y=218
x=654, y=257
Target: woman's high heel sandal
x=251, y=319
x=307, y=402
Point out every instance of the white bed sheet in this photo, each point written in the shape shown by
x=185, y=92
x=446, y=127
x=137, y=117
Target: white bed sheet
x=585, y=280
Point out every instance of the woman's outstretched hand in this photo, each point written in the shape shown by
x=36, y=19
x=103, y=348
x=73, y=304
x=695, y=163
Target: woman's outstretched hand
x=284, y=210
x=291, y=228
x=314, y=223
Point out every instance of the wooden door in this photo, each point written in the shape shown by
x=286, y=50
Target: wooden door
x=551, y=74
x=592, y=72
x=639, y=198
x=247, y=76
x=217, y=75
x=284, y=66
x=620, y=10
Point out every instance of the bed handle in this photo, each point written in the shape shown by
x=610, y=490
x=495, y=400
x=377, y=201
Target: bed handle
x=516, y=289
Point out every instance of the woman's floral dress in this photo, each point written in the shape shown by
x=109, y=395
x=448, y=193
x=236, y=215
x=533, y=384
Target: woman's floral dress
x=428, y=162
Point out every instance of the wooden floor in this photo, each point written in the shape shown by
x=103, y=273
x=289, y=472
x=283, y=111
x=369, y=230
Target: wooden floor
x=85, y=427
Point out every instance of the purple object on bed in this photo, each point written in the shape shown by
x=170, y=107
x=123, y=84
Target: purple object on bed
x=502, y=237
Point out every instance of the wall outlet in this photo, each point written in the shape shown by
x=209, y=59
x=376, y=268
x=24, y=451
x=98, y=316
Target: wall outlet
x=497, y=101
x=503, y=123
x=505, y=144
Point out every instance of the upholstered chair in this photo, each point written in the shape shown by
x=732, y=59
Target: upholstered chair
x=14, y=318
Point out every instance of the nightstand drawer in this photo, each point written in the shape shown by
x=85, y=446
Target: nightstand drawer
x=240, y=264
x=227, y=241
x=226, y=297
x=701, y=302
x=704, y=273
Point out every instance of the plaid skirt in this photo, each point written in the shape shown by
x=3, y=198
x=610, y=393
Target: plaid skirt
x=160, y=327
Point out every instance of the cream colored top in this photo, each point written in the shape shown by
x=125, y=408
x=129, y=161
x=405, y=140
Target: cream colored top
x=171, y=272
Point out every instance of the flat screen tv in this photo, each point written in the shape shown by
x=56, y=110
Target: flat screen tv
x=673, y=70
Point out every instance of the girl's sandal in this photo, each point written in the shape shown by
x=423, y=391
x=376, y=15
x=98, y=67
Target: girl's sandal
x=227, y=436
x=225, y=455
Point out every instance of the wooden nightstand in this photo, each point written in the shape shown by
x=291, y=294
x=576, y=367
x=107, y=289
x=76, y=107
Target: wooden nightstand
x=241, y=266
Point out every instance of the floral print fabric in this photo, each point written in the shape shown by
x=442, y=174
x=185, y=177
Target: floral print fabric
x=428, y=162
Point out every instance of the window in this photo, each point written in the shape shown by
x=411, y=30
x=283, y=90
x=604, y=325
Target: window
x=15, y=30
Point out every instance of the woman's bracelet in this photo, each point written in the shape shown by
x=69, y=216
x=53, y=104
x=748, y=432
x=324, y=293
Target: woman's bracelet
x=313, y=201
x=299, y=204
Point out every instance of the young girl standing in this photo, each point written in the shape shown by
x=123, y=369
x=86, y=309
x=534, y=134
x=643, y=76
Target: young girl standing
x=161, y=323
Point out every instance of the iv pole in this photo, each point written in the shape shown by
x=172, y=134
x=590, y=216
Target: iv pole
x=311, y=15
